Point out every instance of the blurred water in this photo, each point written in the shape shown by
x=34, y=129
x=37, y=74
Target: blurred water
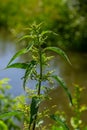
x=7, y=49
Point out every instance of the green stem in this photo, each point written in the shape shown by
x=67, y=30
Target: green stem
x=40, y=80
x=34, y=123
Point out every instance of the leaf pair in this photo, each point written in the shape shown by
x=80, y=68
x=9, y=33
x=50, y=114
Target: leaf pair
x=19, y=53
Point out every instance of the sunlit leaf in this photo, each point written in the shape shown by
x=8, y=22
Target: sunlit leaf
x=58, y=120
x=3, y=126
x=4, y=81
x=45, y=32
x=75, y=122
x=83, y=108
x=63, y=85
x=18, y=65
x=59, y=52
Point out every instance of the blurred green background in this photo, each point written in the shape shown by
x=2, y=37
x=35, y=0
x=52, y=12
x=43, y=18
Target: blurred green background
x=65, y=17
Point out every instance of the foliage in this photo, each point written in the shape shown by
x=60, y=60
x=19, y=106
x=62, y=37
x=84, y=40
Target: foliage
x=65, y=17
x=3, y=126
x=35, y=40
x=57, y=128
x=6, y=105
x=60, y=120
x=20, y=110
x=78, y=109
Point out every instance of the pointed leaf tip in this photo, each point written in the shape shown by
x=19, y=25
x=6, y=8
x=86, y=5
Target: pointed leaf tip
x=59, y=52
x=18, y=65
x=19, y=53
x=63, y=85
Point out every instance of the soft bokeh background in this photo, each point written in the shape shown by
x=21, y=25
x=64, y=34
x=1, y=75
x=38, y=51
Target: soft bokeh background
x=67, y=18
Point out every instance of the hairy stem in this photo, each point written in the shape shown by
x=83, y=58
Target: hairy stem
x=40, y=80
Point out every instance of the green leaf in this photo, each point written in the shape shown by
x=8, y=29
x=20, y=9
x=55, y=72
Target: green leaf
x=23, y=51
x=3, y=126
x=28, y=72
x=26, y=36
x=58, y=120
x=63, y=85
x=9, y=114
x=34, y=109
x=59, y=52
x=45, y=32
x=18, y=65
x=48, y=32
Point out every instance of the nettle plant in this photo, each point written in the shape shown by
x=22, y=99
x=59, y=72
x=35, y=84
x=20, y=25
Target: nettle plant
x=35, y=70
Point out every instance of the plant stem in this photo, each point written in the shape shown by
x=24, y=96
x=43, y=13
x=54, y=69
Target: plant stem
x=34, y=124
x=40, y=80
